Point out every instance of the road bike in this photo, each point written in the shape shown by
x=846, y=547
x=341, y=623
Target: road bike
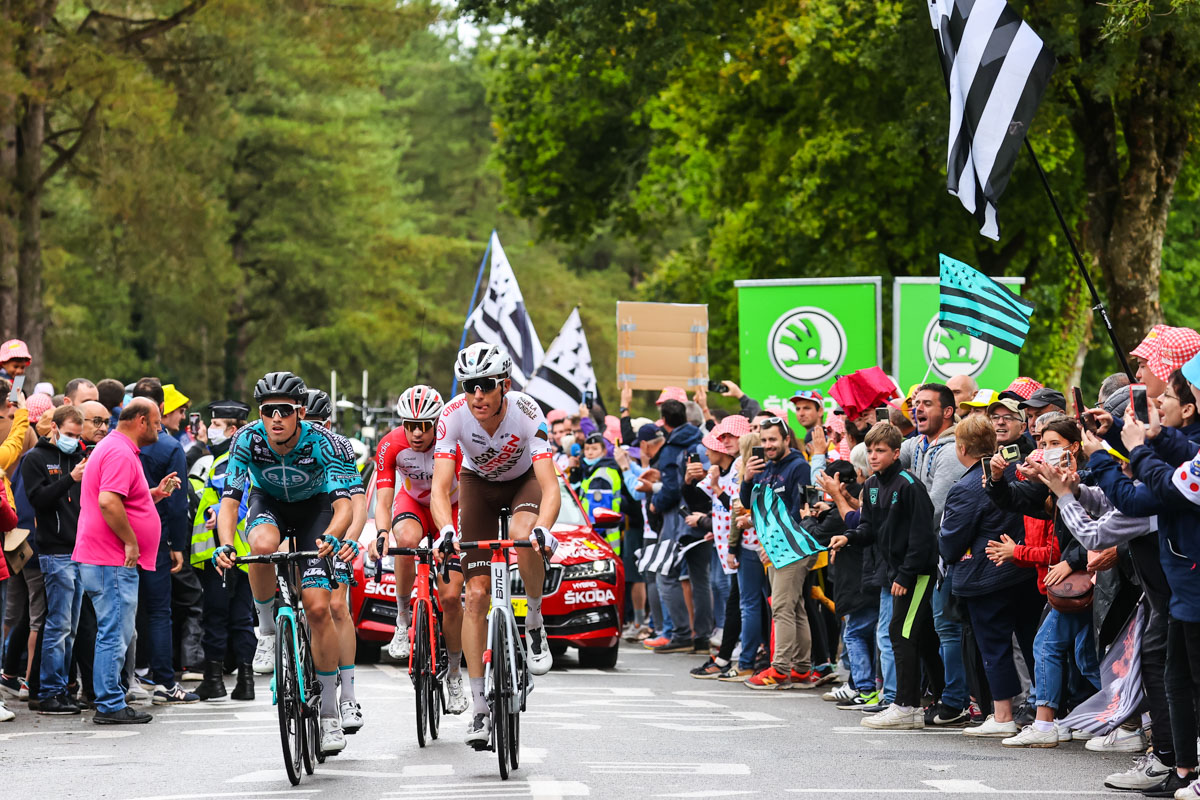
x=505, y=670
x=428, y=661
x=295, y=690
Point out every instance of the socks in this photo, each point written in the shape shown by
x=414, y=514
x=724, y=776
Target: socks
x=478, y=701
x=639, y=617
x=266, y=615
x=1044, y=727
x=404, y=616
x=453, y=662
x=347, y=674
x=329, y=691
x=533, y=618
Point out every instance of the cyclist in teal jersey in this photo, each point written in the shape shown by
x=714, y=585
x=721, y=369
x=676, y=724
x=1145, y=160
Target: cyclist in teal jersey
x=301, y=479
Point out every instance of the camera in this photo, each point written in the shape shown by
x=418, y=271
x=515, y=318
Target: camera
x=1010, y=453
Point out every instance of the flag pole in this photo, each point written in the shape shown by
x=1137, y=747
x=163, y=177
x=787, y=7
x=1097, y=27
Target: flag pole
x=1097, y=303
x=462, y=342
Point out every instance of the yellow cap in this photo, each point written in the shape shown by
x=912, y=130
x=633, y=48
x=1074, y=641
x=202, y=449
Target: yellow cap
x=173, y=398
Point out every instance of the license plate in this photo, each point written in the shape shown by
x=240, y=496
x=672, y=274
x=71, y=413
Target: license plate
x=520, y=606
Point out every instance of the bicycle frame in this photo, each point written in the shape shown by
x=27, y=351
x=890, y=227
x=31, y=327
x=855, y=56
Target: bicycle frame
x=427, y=596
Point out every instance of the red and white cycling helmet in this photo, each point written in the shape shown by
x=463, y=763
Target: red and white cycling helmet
x=419, y=402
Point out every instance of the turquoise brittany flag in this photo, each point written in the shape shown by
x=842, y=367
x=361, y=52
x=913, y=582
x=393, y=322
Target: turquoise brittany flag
x=982, y=308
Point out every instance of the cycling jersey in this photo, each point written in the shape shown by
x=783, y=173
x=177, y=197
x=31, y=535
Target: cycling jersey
x=396, y=459
x=521, y=439
x=321, y=463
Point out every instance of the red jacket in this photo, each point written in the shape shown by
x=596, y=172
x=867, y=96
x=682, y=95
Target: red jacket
x=1041, y=550
x=8, y=521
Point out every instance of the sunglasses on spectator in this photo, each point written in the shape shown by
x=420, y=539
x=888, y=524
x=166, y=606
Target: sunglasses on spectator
x=281, y=410
x=421, y=425
x=484, y=385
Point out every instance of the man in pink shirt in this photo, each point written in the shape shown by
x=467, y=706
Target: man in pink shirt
x=118, y=531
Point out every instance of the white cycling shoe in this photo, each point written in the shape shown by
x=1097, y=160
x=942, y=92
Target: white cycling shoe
x=479, y=731
x=399, y=647
x=264, y=655
x=456, y=698
x=540, y=659
x=352, y=718
x=333, y=739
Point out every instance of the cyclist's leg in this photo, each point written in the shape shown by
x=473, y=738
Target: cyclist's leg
x=479, y=505
x=310, y=520
x=407, y=529
x=339, y=607
x=525, y=503
x=262, y=532
x=450, y=595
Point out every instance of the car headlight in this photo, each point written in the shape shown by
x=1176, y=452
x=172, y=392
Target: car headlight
x=604, y=569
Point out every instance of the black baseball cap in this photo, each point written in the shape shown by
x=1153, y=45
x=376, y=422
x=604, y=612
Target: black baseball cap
x=648, y=433
x=1045, y=397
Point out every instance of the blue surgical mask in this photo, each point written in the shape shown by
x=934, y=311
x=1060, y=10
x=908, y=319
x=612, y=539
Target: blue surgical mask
x=591, y=462
x=67, y=444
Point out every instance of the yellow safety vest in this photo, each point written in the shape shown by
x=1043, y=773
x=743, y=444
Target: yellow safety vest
x=204, y=540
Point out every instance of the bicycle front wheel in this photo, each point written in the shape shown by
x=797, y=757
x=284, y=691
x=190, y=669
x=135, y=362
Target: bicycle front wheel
x=310, y=710
x=287, y=689
x=500, y=701
x=421, y=669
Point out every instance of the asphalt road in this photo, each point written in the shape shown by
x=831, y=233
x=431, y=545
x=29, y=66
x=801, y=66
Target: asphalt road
x=645, y=729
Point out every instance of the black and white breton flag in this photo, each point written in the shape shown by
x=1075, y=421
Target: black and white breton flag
x=501, y=318
x=996, y=69
x=566, y=371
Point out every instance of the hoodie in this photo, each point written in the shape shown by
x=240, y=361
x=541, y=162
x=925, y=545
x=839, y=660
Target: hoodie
x=934, y=464
x=785, y=476
x=897, y=517
x=54, y=495
x=680, y=442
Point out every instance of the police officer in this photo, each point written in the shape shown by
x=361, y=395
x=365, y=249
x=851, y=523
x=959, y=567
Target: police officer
x=601, y=484
x=228, y=609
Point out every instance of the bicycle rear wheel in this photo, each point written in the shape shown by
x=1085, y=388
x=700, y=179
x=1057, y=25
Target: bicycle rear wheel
x=287, y=688
x=310, y=710
x=421, y=668
x=500, y=669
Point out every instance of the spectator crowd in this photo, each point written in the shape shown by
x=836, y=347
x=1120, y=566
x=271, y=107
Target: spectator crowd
x=965, y=557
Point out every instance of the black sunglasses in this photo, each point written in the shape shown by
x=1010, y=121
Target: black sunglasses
x=418, y=425
x=284, y=410
x=484, y=385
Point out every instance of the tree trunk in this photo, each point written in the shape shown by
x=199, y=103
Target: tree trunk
x=32, y=322
x=9, y=282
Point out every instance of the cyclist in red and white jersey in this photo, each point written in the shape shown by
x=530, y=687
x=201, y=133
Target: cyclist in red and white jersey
x=405, y=456
x=506, y=463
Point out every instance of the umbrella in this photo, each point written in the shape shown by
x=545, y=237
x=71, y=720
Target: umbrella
x=862, y=390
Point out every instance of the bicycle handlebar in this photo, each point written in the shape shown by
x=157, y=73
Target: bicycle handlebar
x=283, y=558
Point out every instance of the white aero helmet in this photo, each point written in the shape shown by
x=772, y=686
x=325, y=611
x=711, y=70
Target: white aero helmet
x=419, y=402
x=482, y=360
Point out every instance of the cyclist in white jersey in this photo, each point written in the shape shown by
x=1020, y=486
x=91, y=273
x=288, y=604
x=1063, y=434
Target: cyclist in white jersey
x=506, y=463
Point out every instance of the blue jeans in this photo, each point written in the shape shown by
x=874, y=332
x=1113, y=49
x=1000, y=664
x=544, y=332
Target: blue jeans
x=950, y=636
x=154, y=594
x=1059, y=635
x=114, y=594
x=859, y=635
x=752, y=586
x=883, y=641
x=64, y=596
x=720, y=589
x=670, y=594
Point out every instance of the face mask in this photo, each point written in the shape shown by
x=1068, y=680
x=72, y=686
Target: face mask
x=591, y=462
x=67, y=444
x=216, y=435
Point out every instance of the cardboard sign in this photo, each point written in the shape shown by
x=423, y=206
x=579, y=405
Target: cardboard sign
x=662, y=344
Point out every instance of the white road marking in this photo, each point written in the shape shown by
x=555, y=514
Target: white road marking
x=671, y=726
x=246, y=731
x=408, y=771
x=1023, y=792
x=4, y=737
x=611, y=691
x=539, y=789
x=710, y=793
x=744, y=693
x=66, y=758
x=755, y=716
x=861, y=731
x=667, y=768
x=533, y=755
x=204, y=795
x=960, y=786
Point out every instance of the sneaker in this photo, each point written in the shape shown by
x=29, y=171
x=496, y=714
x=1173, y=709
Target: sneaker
x=1189, y=792
x=825, y=674
x=59, y=705
x=1119, y=740
x=175, y=696
x=456, y=699
x=333, y=739
x=993, y=729
x=631, y=631
x=805, y=680
x=1147, y=772
x=643, y=635
x=479, y=731
x=23, y=692
x=843, y=692
x=1078, y=735
x=896, y=718
x=717, y=636
x=138, y=694
x=264, y=655
x=769, y=678
x=673, y=647
x=880, y=705
x=943, y=716
x=6, y=714
x=399, y=647
x=352, y=718
x=540, y=657
x=10, y=685
x=710, y=670
x=859, y=701
x=190, y=674
x=656, y=641
x=974, y=713
x=735, y=674
x=1065, y=733
x=1171, y=784
x=1032, y=737
x=123, y=716
x=84, y=702
x=702, y=646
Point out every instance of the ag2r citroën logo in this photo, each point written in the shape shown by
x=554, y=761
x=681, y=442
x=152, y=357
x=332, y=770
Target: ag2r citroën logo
x=807, y=345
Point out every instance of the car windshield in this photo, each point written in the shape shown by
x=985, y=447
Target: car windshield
x=569, y=514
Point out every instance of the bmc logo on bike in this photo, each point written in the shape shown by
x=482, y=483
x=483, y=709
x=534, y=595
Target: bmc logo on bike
x=589, y=596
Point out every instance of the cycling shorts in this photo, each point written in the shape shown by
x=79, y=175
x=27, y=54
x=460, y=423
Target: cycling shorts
x=479, y=504
x=407, y=507
x=307, y=520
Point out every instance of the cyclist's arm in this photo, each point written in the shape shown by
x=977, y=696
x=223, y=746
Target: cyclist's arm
x=385, y=483
x=343, y=515
x=439, y=493
x=227, y=519
x=383, y=508
x=547, y=478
